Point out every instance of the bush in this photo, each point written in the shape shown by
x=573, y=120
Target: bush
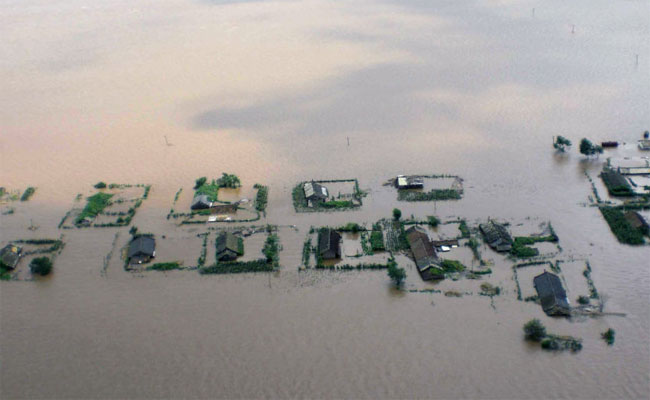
x=561, y=143
x=261, y=198
x=587, y=148
x=609, y=336
x=41, y=266
x=351, y=227
x=28, y=193
x=452, y=266
x=534, y=330
x=396, y=274
x=165, y=266
x=228, y=181
x=200, y=182
x=550, y=344
x=433, y=221
x=100, y=185
x=583, y=300
x=397, y=214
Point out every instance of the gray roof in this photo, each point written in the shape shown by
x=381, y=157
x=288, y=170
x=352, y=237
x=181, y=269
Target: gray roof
x=496, y=236
x=422, y=248
x=551, y=294
x=201, y=202
x=329, y=241
x=315, y=191
x=226, y=241
x=142, y=246
x=636, y=220
x=10, y=255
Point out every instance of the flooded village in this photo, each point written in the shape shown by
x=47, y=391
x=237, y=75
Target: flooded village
x=314, y=233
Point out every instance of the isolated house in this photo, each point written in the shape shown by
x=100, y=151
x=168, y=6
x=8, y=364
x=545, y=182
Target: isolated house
x=10, y=255
x=496, y=236
x=315, y=193
x=424, y=253
x=329, y=244
x=142, y=249
x=229, y=247
x=409, y=182
x=201, y=202
x=551, y=294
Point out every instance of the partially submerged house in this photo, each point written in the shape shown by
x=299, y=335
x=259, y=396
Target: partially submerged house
x=409, y=182
x=329, y=244
x=644, y=144
x=616, y=183
x=637, y=221
x=315, y=193
x=142, y=249
x=424, y=252
x=229, y=247
x=496, y=236
x=551, y=294
x=201, y=202
x=634, y=170
x=10, y=255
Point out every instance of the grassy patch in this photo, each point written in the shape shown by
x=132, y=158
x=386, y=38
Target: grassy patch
x=624, y=232
x=452, y=266
x=166, y=266
x=432, y=195
x=377, y=239
x=95, y=205
x=28, y=193
x=210, y=189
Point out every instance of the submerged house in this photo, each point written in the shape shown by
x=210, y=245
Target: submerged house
x=142, y=249
x=424, y=252
x=10, y=255
x=329, y=244
x=496, y=236
x=314, y=193
x=637, y=221
x=229, y=247
x=551, y=294
x=201, y=202
x=409, y=182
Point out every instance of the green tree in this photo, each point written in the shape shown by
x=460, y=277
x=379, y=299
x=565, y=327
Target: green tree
x=396, y=274
x=589, y=149
x=534, y=330
x=200, y=182
x=561, y=143
x=397, y=214
x=41, y=265
x=100, y=185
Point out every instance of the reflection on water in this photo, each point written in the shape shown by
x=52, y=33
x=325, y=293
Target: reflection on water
x=274, y=91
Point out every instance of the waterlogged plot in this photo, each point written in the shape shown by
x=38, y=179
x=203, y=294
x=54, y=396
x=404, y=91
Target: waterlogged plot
x=327, y=195
x=428, y=187
x=9, y=199
x=219, y=200
x=111, y=206
x=237, y=251
x=26, y=259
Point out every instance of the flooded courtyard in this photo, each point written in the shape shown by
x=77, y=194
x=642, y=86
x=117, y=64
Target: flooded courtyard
x=278, y=92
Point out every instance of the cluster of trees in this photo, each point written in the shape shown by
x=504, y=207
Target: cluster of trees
x=587, y=148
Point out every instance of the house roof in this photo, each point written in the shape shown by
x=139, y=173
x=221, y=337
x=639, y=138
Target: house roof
x=550, y=291
x=495, y=234
x=614, y=179
x=226, y=241
x=224, y=208
x=10, y=254
x=635, y=219
x=201, y=201
x=423, y=250
x=314, y=190
x=142, y=246
x=329, y=240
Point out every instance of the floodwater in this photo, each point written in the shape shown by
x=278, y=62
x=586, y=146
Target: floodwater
x=163, y=92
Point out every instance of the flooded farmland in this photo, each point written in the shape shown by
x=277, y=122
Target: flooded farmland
x=280, y=92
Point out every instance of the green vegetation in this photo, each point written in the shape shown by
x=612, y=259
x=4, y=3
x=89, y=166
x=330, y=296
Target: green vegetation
x=554, y=342
x=520, y=247
x=261, y=198
x=95, y=205
x=473, y=244
x=200, y=262
x=451, y=266
x=337, y=204
x=100, y=185
x=166, y=266
x=625, y=233
x=487, y=289
x=433, y=221
x=270, y=262
x=41, y=266
x=464, y=230
x=432, y=195
x=593, y=293
x=534, y=330
x=306, y=252
x=395, y=273
x=561, y=143
x=228, y=181
x=397, y=214
x=28, y=193
x=240, y=246
x=583, y=300
x=209, y=189
x=340, y=203
x=377, y=239
x=609, y=336
x=55, y=245
x=5, y=273
x=200, y=182
x=616, y=186
x=351, y=227
x=271, y=250
x=588, y=149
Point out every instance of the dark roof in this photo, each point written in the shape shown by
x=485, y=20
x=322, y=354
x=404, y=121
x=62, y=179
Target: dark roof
x=551, y=294
x=636, y=220
x=496, y=235
x=423, y=251
x=201, y=202
x=142, y=246
x=314, y=190
x=226, y=241
x=329, y=242
x=10, y=254
x=613, y=179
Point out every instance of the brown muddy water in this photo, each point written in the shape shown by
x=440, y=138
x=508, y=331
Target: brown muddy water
x=271, y=91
